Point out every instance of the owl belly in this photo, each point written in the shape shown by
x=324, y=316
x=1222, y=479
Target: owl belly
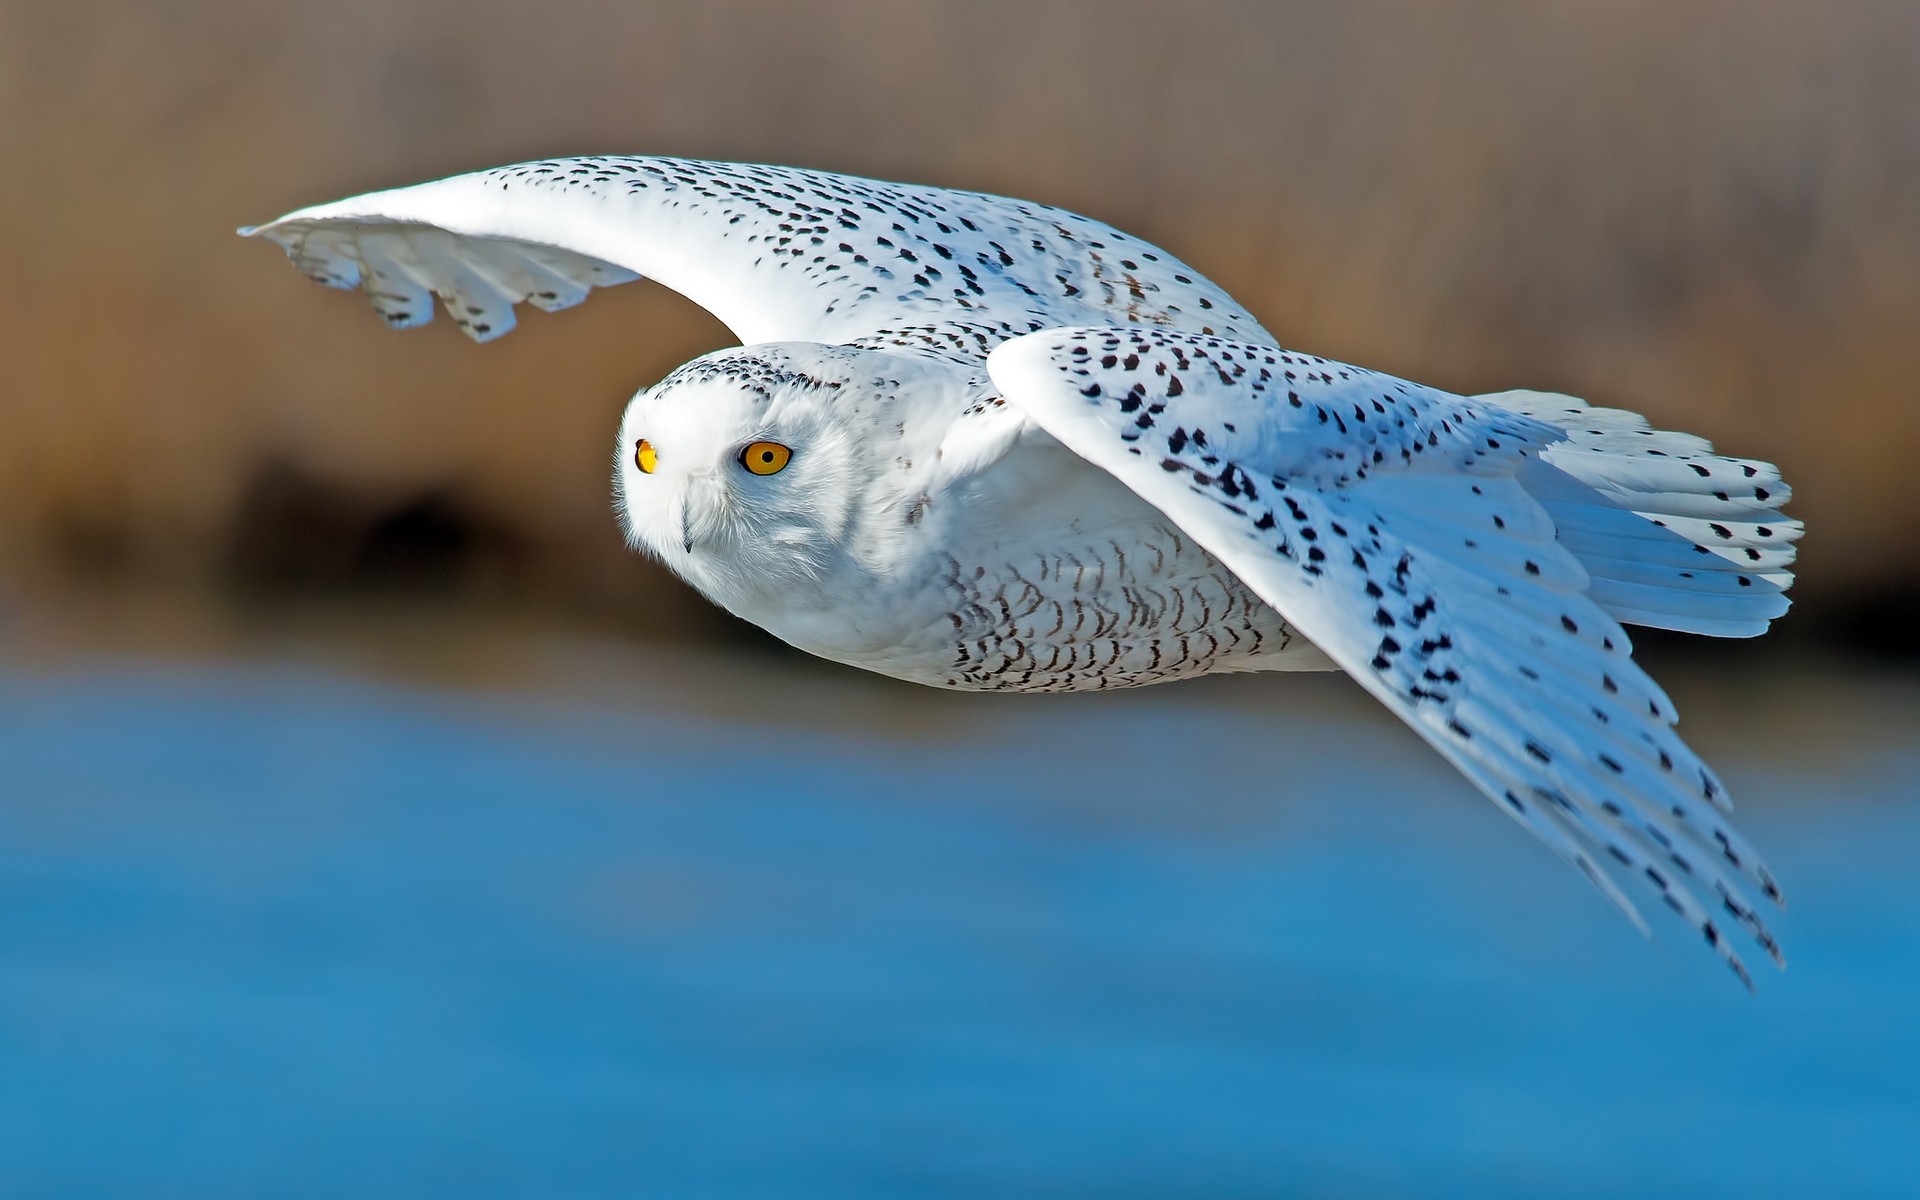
x=1037, y=573
x=1098, y=614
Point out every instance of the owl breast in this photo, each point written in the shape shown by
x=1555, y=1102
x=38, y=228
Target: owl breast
x=1101, y=613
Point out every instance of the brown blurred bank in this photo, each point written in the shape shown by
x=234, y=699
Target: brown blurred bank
x=1708, y=211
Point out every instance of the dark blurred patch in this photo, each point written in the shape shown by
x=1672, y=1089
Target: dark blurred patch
x=300, y=537
x=87, y=547
x=297, y=532
x=1881, y=623
x=1878, y=625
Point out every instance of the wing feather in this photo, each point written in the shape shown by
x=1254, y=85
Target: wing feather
x=777, y=253
x=1399, y=540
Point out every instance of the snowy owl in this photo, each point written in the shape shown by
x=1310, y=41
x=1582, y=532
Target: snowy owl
x=979, y=443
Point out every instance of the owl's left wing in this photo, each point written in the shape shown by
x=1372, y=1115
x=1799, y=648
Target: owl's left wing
x=776, y=253
x=1385, y=522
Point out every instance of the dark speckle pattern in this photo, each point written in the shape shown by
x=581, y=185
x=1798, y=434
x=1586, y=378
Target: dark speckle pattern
x=1385, y=520
x=778, y=253
x=1104, y=615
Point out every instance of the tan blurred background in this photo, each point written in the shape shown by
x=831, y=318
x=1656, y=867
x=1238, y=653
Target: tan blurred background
x=1705, y=210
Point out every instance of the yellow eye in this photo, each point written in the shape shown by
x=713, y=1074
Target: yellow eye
x=765, y=458
x=645, y=458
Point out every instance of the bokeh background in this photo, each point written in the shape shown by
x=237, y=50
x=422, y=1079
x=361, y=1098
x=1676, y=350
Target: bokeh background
x=372, y=819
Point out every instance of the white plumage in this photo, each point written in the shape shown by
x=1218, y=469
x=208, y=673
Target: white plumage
x=979, y=443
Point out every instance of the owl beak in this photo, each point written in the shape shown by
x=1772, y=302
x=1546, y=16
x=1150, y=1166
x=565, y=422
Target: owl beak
x=700, y=485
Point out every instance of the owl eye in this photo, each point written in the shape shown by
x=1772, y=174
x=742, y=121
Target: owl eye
x=645, y=457
x=765, y=458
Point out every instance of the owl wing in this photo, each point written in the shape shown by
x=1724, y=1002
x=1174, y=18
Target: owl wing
x=776, y=253
x=1385, y=521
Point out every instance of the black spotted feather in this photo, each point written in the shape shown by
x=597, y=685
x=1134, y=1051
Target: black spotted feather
x=1390, y=524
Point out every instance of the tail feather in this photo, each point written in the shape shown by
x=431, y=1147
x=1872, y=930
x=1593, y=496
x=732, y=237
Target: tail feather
x=1673, y=535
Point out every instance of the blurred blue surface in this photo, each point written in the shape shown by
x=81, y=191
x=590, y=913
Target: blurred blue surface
x=266, y=931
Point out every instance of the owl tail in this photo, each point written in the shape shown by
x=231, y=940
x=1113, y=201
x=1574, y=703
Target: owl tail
x=1673, y=535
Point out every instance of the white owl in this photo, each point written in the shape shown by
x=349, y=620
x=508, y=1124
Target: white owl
x=978, y=443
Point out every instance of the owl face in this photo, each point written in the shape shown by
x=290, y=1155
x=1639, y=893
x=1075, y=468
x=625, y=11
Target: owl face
x=739, y=470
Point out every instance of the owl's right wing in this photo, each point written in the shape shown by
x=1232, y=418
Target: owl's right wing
x=776, y=253
x=1387, y=522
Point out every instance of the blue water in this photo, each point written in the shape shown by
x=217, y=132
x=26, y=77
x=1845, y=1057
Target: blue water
x=269, y=931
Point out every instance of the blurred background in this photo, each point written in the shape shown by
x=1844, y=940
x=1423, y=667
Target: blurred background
x=374, y=819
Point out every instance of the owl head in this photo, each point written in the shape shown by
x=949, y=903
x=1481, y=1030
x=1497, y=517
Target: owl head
x=756, y=471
